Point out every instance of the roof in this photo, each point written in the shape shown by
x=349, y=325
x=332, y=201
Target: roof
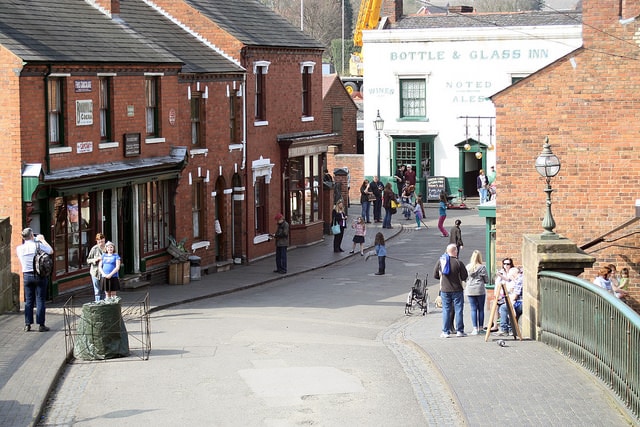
x=254, y=24
x=71, y=31
x=478, y=20
x=198, y=55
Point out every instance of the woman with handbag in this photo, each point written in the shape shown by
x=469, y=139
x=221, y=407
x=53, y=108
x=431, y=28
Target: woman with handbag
x=365, y=200
x=338, y=224
x=387, y=197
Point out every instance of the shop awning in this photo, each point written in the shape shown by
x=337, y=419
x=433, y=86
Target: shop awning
x=82, y=179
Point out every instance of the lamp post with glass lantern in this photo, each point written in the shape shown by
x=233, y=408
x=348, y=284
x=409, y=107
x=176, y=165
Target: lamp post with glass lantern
x=548, y=166
x=378, y=123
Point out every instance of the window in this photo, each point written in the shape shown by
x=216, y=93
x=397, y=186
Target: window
x=73, y=232
x=155, y=206
x=306, y=91
x=151, y=99
x=197, y=113
x=105, y=110
x=260, y=70
x=197, y=213
x=336, y=119
x=413, y=99
x=260, y=195
x=406, y=153
x=233, y=122
x=304, y=182
x=55, y=112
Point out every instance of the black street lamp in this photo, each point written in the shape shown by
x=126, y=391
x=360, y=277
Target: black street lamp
x=548, y=166
x=379, y=125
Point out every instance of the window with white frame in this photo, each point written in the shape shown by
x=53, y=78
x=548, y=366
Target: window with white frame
x=413, y=98
x=55, y=112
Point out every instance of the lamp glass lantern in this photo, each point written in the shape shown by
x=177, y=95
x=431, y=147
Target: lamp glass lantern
x=378, y=123
x=548, y=166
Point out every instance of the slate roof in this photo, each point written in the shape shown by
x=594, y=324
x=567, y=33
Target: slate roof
x=497, y=20
x=197, y=56
x=254, y=24
x=71, y=31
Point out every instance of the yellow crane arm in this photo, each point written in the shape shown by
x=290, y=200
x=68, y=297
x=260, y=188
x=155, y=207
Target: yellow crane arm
x=368, y=18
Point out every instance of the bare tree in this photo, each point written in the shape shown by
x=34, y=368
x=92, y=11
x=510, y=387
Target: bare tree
x=507, y=5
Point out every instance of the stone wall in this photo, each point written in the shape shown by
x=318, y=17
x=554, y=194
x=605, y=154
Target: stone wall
x=9, y=282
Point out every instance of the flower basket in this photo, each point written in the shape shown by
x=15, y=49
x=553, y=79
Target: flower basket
x=178, y=253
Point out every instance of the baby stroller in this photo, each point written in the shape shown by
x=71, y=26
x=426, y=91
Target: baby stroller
x=418, y=296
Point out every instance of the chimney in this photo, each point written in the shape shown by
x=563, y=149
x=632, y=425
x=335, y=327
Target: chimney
x=392, y=9
x=111, y=6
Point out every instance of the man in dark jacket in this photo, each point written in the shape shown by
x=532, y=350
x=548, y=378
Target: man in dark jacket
x=451, y=272
x=282, y=242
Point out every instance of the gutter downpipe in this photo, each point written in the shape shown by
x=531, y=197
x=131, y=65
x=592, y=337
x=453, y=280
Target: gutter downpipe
x=47, y=159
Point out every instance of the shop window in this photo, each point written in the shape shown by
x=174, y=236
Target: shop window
x=155, y=207
x=74, y=231
x=304, y=189
x=413, y=99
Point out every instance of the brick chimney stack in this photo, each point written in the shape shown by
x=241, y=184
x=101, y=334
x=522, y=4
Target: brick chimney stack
x=111, y=6
x=392, y=9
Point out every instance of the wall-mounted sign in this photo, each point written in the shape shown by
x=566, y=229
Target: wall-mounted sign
x=131, y=144
x=82, y=85
x=84, y=147
x=172, y=117
x=84, y=112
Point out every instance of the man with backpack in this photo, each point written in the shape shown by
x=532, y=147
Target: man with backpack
x=35, y=284
x=451, y=272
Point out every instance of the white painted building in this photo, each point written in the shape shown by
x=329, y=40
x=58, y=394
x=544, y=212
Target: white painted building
x=430, y=78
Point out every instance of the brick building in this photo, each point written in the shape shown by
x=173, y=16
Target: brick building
x=285, y=145
x=192, y=119
x=586, y=103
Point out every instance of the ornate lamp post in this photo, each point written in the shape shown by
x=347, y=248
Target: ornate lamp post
x=548, y=166
x=378, y=123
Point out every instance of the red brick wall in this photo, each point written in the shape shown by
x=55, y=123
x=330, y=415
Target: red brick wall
x=588, y=108
x=10, y=161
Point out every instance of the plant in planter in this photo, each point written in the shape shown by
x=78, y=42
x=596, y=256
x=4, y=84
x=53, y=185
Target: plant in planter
x=177, y=250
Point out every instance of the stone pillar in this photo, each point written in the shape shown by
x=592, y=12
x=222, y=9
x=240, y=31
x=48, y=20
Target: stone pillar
x=539, y=254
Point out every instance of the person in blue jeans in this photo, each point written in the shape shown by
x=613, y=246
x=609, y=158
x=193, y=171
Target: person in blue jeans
x=451, y=272
x=35, y=287
x=515, y=295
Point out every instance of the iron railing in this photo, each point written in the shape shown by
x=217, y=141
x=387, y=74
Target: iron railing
x=594, y=328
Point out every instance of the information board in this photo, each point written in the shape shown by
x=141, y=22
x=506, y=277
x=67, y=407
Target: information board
x=435, y=186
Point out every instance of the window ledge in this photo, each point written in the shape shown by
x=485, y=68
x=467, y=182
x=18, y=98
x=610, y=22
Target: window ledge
x=104, y=145
x=261, y=123
x=308, y=118
x=60, y=150
x=199, y=245
x=154, y=140
x=261, y=238
x=199, y=152
x=235, y=147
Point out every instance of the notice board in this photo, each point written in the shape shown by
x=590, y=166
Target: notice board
x=435, y=186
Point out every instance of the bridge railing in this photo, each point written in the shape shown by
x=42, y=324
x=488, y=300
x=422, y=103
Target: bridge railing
x=594, y=328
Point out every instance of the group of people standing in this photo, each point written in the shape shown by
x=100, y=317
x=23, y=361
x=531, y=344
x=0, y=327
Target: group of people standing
x=456, y=279
x=104, y=265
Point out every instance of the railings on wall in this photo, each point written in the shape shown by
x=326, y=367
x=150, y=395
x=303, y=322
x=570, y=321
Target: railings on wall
x=595, y=329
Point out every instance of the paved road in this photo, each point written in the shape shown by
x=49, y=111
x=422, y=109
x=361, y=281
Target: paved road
x=328, y=347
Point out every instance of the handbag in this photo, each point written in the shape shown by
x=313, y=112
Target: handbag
x=372, y=198
x=335, y=229
x=394, y=204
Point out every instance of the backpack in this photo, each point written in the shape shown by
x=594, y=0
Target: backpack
x=42, y=262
